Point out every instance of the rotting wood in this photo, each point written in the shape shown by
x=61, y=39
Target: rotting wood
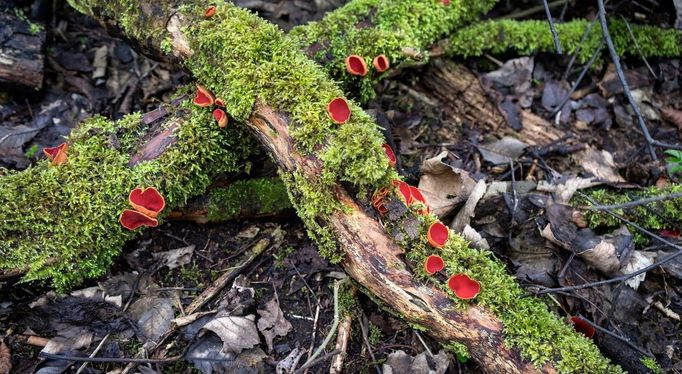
x=21, y=51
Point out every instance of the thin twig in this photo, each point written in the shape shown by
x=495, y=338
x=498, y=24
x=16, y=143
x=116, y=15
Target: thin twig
x=635, y=203
x=626, y=88
x=574, y=56
x=639, y=50
x=364, y=327
x=555, y=36
x=613, y=334
x=113, y=359
x=335, y=324
x=312, y=363
x=586, y=68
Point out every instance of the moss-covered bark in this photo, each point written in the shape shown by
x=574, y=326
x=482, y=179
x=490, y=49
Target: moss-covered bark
x=282, y=95
x=61, y=222
x=527, y=37
x=249, y=198
x=657, y=215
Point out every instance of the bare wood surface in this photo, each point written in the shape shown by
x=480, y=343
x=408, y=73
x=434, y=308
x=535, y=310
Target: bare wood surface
x=21, y=56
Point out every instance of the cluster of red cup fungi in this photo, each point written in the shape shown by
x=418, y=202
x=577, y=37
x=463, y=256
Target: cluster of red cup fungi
x=147, y=204
x=355, y=65
x=204, y=98
x=437, y=235
x=56, y=155
x=338, y=109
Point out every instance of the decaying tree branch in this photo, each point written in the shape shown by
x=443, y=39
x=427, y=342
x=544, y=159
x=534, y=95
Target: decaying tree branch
x=282, y=96
x=21, y=50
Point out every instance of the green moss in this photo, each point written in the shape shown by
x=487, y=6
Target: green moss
x=651, y=364
x=92, y=198
x=259, y=196
x=528, y=324
x=659, y=215
x=528, y=37
x=371, y=27
x=460, y=350
x=166, y=45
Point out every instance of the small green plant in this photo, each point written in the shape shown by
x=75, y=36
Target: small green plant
x=374, y=335
x=674, y=160
x=281, y=255
x=651, y=364
x=31, y=151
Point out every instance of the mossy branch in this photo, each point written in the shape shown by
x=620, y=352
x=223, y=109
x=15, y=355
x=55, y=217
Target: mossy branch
x=261, y=76
x=528, y=37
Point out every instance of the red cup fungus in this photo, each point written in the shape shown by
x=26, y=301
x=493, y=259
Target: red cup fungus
x=147, y=201
x=390, y=154
x=210, y=11
x=464, y=287
x=132, y=219
x=203, y=97
x=338, y=110
x=582, y=327
x=356, y=65
x=446, y=2
x=57, y=155
x=221, y=117
x=381, y=63
x=438, y=234
x=219, y=102
x=405, y=192
x=433, y=264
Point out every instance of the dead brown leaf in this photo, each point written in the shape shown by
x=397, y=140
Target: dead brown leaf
x=444, y=186
x=5, y=359
x=272, y=322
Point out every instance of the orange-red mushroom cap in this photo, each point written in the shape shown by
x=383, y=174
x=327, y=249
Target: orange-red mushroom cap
x=57, y=155
x=356, y=65
x=147, y=201
x=464, y=287
x=381, y=63
x=132, y=219
x=221, y=117
x=203, y=97
x=210, y=11
x=433, y=264
x=338, y=110
x=438, y=234
x=582, y=327
x=390, y=154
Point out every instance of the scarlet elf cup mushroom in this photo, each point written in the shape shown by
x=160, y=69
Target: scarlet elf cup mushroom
x=56, y=155
x=438, y=234
x=355, y=65
x=582, y=327
x=210, y=11
x=203, y=97
x=338, y=110
x=464, y=287
x=381, y=63
x=147, y=201
x=390, y=154
x=132, y=219
x=433, y=264
x=221, y=117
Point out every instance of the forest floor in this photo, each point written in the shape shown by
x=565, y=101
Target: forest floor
x=288, y=287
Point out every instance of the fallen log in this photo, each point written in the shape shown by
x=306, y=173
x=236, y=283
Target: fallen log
x=21, y=50
x=263, y=79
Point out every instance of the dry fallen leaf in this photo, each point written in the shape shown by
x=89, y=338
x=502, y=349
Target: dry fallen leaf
x=444, y=186
x=5, y=359
x=175, y=257
x=237, y=333
x=600, y=164
x=272, y=322
x=400, y=362
x=153, y=316
x=502, y=151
